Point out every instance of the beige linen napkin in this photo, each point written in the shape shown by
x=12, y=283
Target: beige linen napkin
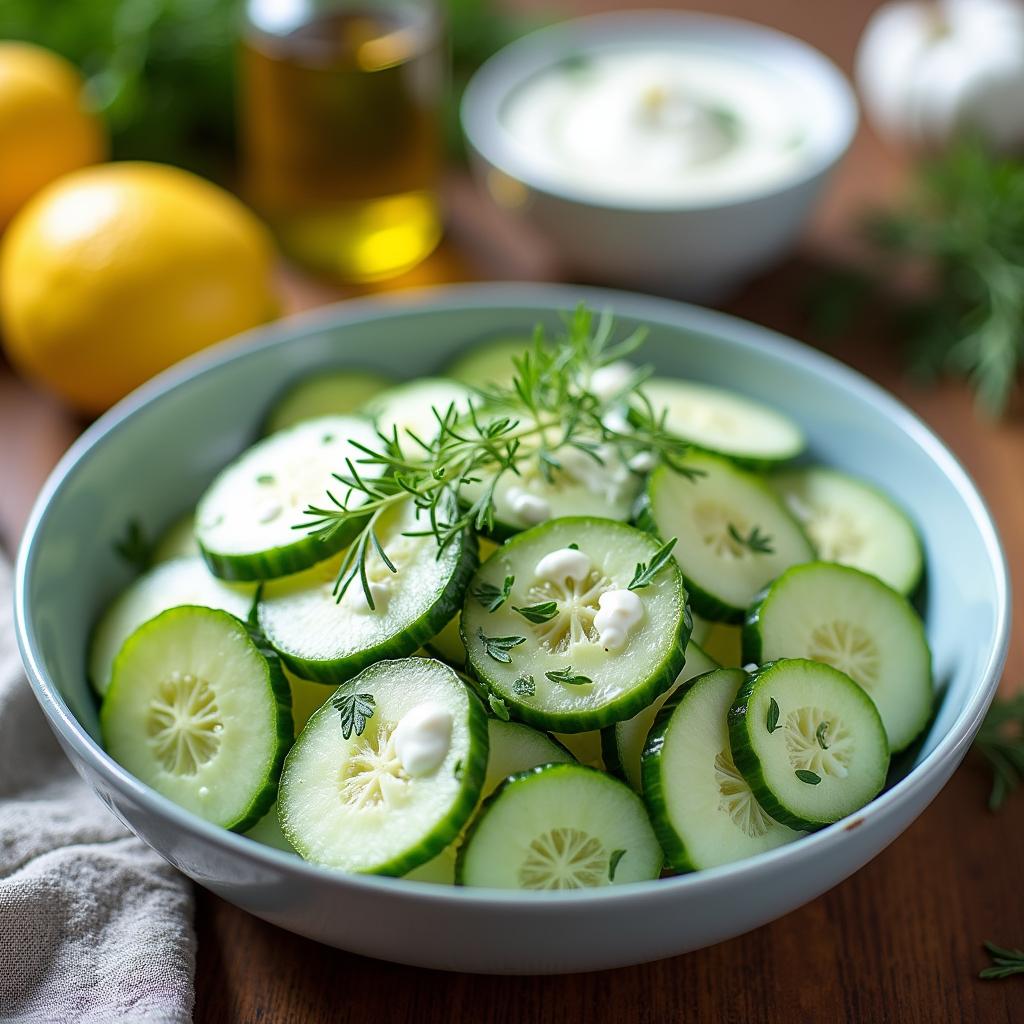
x=94, y=926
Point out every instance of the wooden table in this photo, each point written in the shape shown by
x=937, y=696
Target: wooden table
x=900, y=941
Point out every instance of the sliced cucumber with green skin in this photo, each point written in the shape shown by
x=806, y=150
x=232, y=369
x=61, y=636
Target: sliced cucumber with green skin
x=854, y=622
x=512, y=748
x=627, y=738
x=181, y=581
x=488, y=362
x=392, y=794
x=809, y=742
x=562, y=673
x=326, y=393
x=196, y=711
x=853, y=523
x=415, y=407
x=323, y=639
x=701, y=807
x=177, y=541
x=580, y=487
x=725, y=422
x=701, y=628
x=246, y=521
x=734, y=535
x=267, y=832
x=560, y=826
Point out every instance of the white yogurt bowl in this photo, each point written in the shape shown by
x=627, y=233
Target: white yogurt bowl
x=699, y=241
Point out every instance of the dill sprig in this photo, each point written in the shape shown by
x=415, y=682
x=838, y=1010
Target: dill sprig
x=1005, y=962
x=1000, y=741
x=451, y=478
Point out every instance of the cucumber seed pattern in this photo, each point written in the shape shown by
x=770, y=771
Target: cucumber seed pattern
x=817, y=741
x=713, y=523
x=373, y=775
x=736, y=798
x=184, y=724
x=577, y=603
x=564, y=858
x=848, y=648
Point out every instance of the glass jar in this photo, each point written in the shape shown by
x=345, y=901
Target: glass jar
x=341, y=130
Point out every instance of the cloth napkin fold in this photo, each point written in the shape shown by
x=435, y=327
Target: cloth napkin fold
x=95, y=928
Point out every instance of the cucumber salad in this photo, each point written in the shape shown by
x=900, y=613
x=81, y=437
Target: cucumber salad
x=545, y=622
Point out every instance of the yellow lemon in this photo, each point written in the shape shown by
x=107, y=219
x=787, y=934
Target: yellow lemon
x=117, y=271
x=44, y=129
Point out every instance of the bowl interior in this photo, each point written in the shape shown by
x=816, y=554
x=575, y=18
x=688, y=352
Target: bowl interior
x=151, y=457
x=827, y=104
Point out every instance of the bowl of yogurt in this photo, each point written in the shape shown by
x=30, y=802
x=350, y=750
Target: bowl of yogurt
x=669, y=151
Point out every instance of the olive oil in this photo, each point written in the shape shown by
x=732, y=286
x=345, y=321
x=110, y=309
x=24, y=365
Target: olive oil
x=341, y=134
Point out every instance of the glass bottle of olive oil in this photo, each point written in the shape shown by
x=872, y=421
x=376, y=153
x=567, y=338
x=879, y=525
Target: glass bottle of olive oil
x=341, y=134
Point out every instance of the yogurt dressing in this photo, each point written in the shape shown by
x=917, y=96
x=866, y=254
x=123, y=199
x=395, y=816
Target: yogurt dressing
x=619, y=613
x=422, y=738
x=659, y=124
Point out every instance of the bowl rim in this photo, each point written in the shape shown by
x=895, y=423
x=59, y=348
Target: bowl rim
x=743, y=334
x=493, y=82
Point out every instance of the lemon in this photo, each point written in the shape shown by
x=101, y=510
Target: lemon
x=44, y=129
x=115, y=272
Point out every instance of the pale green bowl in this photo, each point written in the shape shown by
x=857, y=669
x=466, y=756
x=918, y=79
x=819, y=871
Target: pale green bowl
x=152, y=455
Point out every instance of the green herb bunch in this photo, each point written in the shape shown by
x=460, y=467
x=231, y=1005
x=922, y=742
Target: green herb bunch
x=547, y=409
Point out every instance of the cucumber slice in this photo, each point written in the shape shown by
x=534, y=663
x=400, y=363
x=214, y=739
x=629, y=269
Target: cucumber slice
x=628, y=738
x=371, y=802
x=725, y=422
x=712, y=515
x=559, y=675
x=809, y=742
x=512, y=748
x=488, y=362
x=414, y=408
x=850, y=620
x=246, y=521
x=560, y=826
x=197, y=711
x=177, y=541
x=447, y=645
x=701, y=807
x=181, y=581
x=320, y=638
x=585, y=747
x=326, y=393
x=581, y=487
x=700, y=630
x=267, y=831
x=850, y=522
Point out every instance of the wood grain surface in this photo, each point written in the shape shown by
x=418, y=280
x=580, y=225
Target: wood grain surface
x=900, y=941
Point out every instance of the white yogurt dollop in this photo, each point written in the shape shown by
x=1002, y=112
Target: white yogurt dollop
x=564, y=564
x=608, y=381
x=423, y=738
x=619, y=613
x=530, y=507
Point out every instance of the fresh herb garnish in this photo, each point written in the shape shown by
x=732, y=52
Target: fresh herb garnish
x=505, y=428
x=497, y=647
x=755, y=542
x=819, y=735
x=492, y=597
x=457, y=770
x=1005, y=962
x=645, y=572
x=524, y=686
x=567, y=676
x=613, y=863
x=1000, y=741
x=538, y=613
x=498, y=706
x=133, y=547
x=811, y=778
x=355, y=709
x=773, y=715
x=265, y=478
x=574, y=546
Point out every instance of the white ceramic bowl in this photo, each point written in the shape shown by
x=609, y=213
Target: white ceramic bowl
x=698, y=250
x=151, y=456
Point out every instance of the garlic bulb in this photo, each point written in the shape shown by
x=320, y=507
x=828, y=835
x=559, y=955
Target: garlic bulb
x=928, y=71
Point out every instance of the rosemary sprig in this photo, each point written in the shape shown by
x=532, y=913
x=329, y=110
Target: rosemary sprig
x=645, y=572
x=1000, y=741
x=756, y=542
x=1005, y=962
x=450, y=479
